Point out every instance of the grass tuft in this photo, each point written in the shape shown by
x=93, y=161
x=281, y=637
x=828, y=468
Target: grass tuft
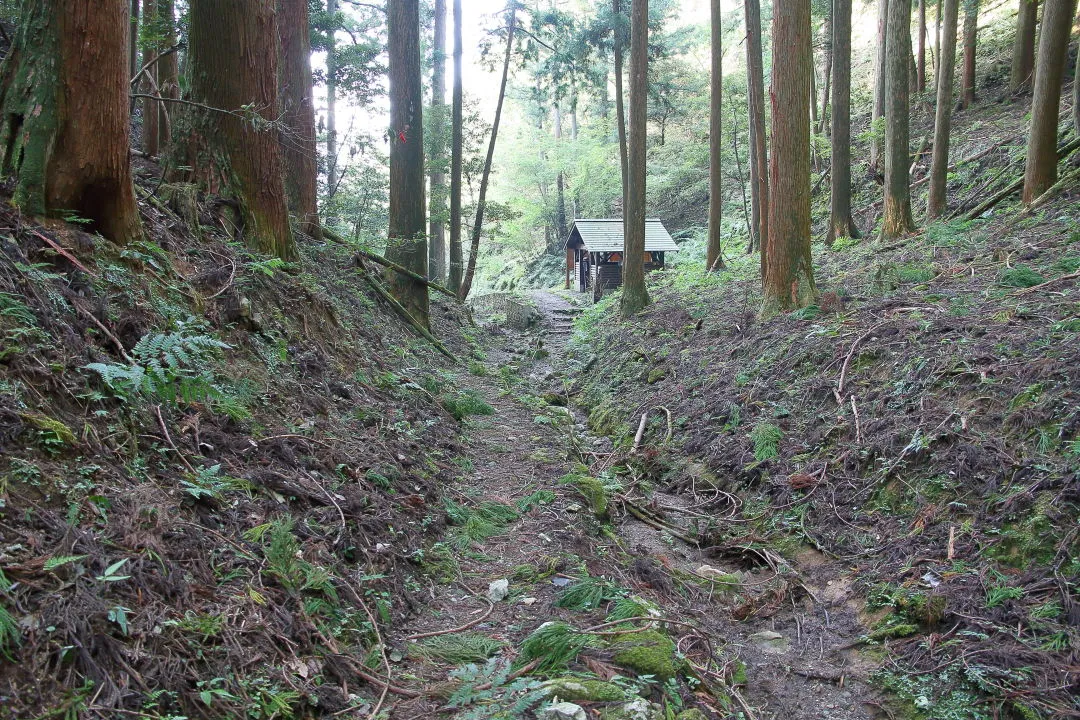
x=766, y=439
x=554, y=644
x=457, y=649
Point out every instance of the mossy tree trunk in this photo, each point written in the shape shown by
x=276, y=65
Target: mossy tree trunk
x=1023, y=55
x=897, y=218
x=65, y=112
x=298, y=115
x=407, y=241
x=788, y=278
x=841, y=223
x=231, y=144
x=1040, y=169
x=634, y=295
x=755, y=106
x=436, y=163
x=939, y=164
x=714, y=257
x=456, y=270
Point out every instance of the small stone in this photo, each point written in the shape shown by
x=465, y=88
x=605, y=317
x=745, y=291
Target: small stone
x=528, y=601
x=573, y=507
x=498, y=590
x=543, y=537
x=563, y=711
x=770, y=642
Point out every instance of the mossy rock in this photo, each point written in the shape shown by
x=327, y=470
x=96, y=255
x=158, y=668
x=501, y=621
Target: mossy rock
x=691, y=714
x=578, y=690
x=655, y=376
x=594, y=493
x=48, y=424
x=636, y=709
x=648, y=652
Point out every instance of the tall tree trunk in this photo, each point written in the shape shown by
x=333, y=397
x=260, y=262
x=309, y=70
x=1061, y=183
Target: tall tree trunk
x=573, y=116
x=561, y=228
x=634, y=295
x=168, y=71
x=478, y=225
x=1040, y=169
x=437, y=202
x=620, y=102
x=714, y=257
x=937, y=38
x=65, y=112
x=759, y=162
x=897, y=218
x=971, y=31
x=453, y=279
x=813, y=91
x=232, y=57
x=878, y=110
x=331, y=102
x=1076, y=96
x=920, y=57
x=788, y=280
x=939, y=165
x=830, y=29
x=298, y=114
x=133, y=40
x=406, y=240
x=841, y=223
x=1023, y=55
x=150, y=130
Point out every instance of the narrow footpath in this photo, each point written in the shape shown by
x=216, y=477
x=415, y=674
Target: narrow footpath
x=533, y=538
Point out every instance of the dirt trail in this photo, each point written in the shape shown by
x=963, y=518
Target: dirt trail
x=793, y=626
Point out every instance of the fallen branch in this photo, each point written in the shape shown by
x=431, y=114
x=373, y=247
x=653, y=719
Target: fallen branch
x=161, y=421
x=1063, y=153
x=644, y=517
x=55, y=246
x=839, y=392
x=641, y=427
x=404, y=314
x=460, y=628
x=970, y=158
x=389, y=263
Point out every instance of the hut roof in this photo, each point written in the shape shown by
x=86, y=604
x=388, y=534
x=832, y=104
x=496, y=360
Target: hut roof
x=603, y=235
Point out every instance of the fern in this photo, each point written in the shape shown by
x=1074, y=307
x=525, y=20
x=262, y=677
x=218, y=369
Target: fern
x=554, y=644
x=487, y=693
x=169, y=366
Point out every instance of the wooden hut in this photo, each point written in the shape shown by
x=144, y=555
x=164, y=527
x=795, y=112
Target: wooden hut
x=594, y=253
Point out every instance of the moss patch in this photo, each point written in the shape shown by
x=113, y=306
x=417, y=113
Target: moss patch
x=576, y=690
x=648, y=652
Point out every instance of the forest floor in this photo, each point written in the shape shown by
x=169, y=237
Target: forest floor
x=754, y=634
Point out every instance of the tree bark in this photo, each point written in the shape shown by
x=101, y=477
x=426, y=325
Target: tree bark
x=714, y=257
x=830, y=29
x=168, y=71
x=939, y=165
x=920, y=58
x=298, y=115
x=133, y=40
x=1023, y=55
x=331, y=103
x=478, y=225
x=1040, y=169
x=150, y=130
x=634, y=295
x=453, y=280
x=1076, y=96
x=437, y=202
x=897, y=218
x=788, y=279
x=841, y=223
x=878, y=110
x=64, y=128
x=759, y=161
x=971, y=31
x=232, y=56
x=620, y=102
x=561, y=228
x=406, y=240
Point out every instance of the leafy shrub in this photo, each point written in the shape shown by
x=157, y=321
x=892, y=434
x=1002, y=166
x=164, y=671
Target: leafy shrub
x=466, y=403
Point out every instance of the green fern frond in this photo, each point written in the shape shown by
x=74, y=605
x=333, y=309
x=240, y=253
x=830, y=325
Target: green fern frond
x=554, y=644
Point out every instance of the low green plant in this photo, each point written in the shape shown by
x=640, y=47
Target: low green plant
x=478, y=522
x=766, y=439
x=465, y=403
x=487, y=692
x=554, y=644
x=168, y=366
x=1020, y=276
x=588, y=593
x=208, y=482
x=457, y=648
